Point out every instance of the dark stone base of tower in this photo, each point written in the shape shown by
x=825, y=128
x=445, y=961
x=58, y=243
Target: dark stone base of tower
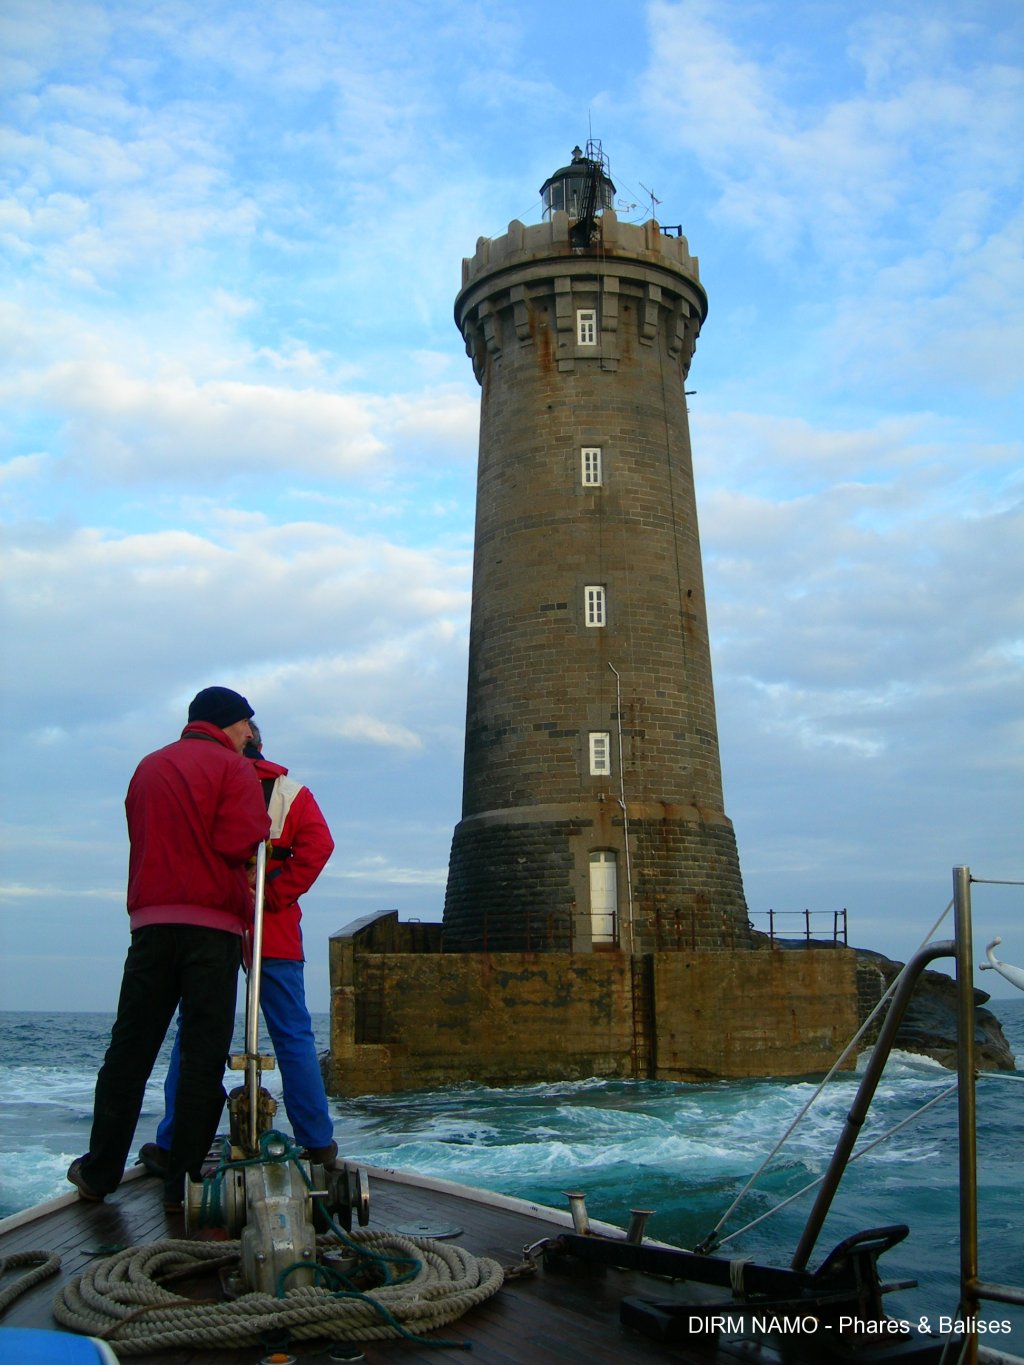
x=526, y=883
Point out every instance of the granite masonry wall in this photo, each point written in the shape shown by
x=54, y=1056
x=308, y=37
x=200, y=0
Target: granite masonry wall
x=405, y=1015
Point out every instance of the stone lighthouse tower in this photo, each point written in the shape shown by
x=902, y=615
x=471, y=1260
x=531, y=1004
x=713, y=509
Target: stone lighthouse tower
x=594, y=920
x=593, y=815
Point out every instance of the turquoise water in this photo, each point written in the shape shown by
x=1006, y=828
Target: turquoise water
x=684, y=1151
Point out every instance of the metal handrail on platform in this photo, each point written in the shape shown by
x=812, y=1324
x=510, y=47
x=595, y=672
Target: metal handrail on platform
x=837, y=934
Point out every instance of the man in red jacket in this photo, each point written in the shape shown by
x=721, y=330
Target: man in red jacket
x=196, y=815
x=301, y=846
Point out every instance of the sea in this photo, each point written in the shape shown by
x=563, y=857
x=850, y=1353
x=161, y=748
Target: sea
x=683, y=1151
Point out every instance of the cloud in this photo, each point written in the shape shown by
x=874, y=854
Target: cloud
x=372, y=731
x=157, y=602
x=880, y=533
x=241, y=427
x=27, y=467
x=124, y=413
x=128, y=430
x=380, y=870
x=866, y=626
x=956, y=311
x=847, y=164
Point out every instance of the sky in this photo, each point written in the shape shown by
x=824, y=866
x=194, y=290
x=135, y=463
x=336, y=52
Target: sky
x=239, y=426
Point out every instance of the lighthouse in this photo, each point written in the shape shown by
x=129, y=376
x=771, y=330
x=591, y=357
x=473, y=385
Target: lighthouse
x=594, y=921
x=593, y=814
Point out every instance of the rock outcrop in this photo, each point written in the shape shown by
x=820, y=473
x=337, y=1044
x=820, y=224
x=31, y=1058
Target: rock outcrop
x=929, y=1025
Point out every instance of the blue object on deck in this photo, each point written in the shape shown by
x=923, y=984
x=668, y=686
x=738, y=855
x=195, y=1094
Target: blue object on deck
x=29, y=1346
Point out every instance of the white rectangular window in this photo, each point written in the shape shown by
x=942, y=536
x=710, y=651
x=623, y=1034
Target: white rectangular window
x=600, y=753
x=586, y=326
x=593, y=599
x=590, y=462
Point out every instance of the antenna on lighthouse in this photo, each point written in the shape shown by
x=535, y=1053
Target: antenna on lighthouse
x=655, y=201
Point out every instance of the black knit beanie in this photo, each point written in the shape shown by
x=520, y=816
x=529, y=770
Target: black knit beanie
x=220, y=706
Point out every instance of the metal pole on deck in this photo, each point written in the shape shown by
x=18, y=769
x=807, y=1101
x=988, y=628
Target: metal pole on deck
x=966, y=1108
x=252, y=1001
x=873, y=1069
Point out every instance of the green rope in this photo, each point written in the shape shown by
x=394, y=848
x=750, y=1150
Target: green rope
x=278, y=1149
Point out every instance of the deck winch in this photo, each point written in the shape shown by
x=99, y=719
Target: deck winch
x=257, y=1186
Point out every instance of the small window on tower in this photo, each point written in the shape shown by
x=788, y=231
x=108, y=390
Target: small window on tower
x=590, y=458
x=600, y=753
x=586, y=326
x=593, y=597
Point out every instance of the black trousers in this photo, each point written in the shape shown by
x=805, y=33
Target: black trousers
x=167, y=965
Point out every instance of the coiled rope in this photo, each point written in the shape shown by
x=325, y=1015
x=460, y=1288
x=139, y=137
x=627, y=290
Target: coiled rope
x=124, y=1299
x=394, y=1286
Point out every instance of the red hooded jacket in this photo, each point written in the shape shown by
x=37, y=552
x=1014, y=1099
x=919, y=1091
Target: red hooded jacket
x=196, y=814
x=301, y=844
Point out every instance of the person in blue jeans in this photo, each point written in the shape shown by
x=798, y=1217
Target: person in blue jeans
x=300, y=847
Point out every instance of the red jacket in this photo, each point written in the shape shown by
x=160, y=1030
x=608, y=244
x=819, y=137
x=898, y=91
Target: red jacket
x=301, y=844
x=196, y=814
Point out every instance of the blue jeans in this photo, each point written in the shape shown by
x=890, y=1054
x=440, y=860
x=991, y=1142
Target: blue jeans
x=283, y=1003
x=168, y=965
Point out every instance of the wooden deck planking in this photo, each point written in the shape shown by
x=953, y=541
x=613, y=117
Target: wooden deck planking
x=541, y=1319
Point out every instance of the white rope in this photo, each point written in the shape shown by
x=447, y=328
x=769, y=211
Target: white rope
x=736, y=1275
x=121, y=1299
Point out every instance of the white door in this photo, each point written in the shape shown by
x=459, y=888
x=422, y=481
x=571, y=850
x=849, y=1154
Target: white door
x=603, y=896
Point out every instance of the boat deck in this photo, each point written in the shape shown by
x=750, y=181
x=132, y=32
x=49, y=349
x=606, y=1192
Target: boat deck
x=534, y=1319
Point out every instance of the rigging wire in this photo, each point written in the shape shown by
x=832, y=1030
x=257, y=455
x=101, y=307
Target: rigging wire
x=863, y=1151
x=712, y=1239
x=770, y=1213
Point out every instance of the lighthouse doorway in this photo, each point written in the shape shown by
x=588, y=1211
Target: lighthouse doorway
x=604, y=904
